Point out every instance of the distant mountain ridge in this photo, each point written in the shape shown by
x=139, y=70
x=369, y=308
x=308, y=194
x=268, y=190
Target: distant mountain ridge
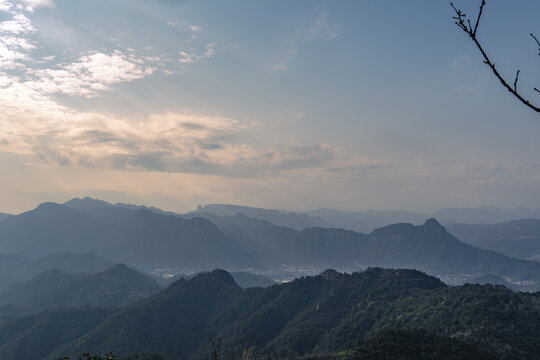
x=368, y=220
x=297, y=221
x=88, y=203
x=17, y=268
x=428, y=247
x=139, y=237
x=517, y=238
x=54, y=289
x=150, y=240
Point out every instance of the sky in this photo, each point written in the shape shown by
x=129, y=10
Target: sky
x=280, y=104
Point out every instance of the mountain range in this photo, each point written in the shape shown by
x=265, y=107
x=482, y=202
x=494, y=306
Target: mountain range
x=313, y=315
x=150, y=240
x=138, y=237
x=428, y=247
x=368, y=220
x=517, y=238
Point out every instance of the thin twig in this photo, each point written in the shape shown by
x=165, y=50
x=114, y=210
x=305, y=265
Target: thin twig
x=537, y=42
x=479, y=16
x=460, y=17
x=534, y=37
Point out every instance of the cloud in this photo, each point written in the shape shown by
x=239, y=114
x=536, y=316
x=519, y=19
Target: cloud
x=90, y=74
x=14, y=46
x=279, y=67
x=23, y=5
x=30, y=5
x=323, y=28
x=191, y=58
x=87, y=76
x=18, y=25
x=5, y=6
x=34, y=125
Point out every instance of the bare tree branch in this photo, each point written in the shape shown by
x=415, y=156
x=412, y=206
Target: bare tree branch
x=479, y=16
x=466, y=26
x=537, y=42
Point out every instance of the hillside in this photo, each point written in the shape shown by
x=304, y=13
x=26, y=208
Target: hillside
x=17, y=268
x=244, y=279
x=322, y=314
x=32, y=337
x=54, y=289
x=399, y=344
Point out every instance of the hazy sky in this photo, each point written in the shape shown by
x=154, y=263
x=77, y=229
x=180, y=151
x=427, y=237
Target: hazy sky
x=283, y=104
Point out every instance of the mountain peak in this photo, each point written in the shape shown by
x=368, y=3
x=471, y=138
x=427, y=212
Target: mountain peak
x=330, y=275
x=86, y=203
x=219, y=275
x=119, y=270
x=432, y=225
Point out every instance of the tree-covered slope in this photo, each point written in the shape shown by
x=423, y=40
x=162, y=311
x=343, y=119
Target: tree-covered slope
x=399, y=344
x=321, y=314
x=32, y=337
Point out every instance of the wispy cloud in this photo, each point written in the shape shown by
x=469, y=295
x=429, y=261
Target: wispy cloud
x=323, y=28
x=35, y=125
x=30, y=5
x=192, y=57
x=90, y=74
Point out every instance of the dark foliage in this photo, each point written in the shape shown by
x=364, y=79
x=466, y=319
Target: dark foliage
x=316, y=315
x=398, y=344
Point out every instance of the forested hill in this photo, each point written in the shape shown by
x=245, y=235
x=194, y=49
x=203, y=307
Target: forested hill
x=322, y=314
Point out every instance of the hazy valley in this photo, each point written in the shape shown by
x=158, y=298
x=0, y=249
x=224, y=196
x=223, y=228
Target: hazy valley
x=63, y=264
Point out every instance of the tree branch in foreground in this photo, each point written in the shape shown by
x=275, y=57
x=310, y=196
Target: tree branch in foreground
x=465, y=24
